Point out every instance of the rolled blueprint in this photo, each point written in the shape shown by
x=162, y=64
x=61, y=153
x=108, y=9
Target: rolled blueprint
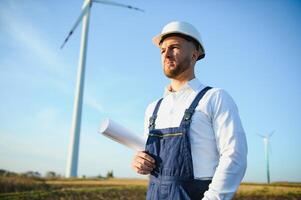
x=120, y=134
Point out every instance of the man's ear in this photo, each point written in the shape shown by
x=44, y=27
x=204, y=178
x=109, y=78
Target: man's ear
x=195, y=55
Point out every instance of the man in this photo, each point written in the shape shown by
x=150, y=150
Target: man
x=196, y=146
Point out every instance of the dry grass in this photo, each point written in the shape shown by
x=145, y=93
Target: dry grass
x=95, y=182
x=14, y=188
x=276, y=191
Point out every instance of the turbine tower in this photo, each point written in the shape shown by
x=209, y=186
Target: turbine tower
x=72, y=160
x=266, y=141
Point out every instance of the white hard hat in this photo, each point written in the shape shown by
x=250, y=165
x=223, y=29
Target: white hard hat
x=181, y=28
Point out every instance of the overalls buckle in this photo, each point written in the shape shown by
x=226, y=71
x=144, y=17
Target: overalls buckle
x=188, y=115
x=152, y=120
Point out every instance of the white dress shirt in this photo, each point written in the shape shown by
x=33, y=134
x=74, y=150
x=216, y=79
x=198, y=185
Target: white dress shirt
x=218, y=142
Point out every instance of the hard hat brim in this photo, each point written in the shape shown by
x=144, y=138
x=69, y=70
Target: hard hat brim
x=157, y=40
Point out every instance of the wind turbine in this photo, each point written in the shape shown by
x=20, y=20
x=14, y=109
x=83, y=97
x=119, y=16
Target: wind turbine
x=266, y=141
x=72, y=160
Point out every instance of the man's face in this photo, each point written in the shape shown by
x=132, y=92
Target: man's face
x=176, y=56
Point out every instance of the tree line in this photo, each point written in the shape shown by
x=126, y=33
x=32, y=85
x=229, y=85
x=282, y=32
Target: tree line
x=49, y=175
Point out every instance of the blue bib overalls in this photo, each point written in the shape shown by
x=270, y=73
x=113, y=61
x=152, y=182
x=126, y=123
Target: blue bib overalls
x=173, y=176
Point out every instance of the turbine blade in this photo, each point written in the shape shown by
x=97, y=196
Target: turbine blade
x=260, y=135
x=117, y=4
x=270, y=135
x=66, y=40
x=85, y=8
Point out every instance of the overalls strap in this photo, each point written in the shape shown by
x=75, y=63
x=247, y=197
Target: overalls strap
x=186, y=120
x=153, y=118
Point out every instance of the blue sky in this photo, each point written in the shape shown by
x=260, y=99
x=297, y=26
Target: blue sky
x=253, y=51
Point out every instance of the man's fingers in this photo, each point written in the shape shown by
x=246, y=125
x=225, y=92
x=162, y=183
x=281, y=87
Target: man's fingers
x=143, y=166
x=145, y=156
x=143, y=172
x=140, y=170
x=144, y=162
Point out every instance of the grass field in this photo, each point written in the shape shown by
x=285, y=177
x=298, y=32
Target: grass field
x=17, y=188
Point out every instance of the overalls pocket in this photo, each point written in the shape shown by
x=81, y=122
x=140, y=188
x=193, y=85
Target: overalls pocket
x=164, y=192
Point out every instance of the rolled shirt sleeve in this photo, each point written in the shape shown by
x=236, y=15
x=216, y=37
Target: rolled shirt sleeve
x=232, y=147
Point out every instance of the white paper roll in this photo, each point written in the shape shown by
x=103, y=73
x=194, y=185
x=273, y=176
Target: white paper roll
x=120, y=134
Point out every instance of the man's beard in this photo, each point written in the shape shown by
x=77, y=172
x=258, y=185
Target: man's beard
x=178, y=69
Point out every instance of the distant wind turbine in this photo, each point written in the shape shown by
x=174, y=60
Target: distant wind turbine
x=266, y=141
x=72, y=160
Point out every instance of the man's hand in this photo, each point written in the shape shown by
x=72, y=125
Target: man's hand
x=143, y=163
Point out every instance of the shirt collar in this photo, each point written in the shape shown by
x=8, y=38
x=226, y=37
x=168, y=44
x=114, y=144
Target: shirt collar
x=194, y=85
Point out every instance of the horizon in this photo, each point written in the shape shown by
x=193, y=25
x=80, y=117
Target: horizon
x=146, y=178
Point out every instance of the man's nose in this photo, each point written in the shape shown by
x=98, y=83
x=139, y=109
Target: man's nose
x=168, y=53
